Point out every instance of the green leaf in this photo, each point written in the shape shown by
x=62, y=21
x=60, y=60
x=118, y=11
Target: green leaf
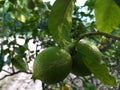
x=2, y=2
x=31, y=4
x=107, y=14
x=60, y=21
x=89, y=86
x=1, y=61
x=117, y=2
x=100, y=71
x=12, y=1
x=19, y=63
x=8, y=61
x=39, y=3
x=91, y=57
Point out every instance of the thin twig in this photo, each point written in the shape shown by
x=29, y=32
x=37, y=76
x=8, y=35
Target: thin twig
x=6, y=71
x=15, y=74
x=99, y=33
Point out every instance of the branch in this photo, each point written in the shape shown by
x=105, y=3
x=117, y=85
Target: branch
x=98, y=33
x=14, y=74
x=6, y=71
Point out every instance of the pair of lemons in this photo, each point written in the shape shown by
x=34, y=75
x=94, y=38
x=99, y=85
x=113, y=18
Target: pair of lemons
x=53, y=64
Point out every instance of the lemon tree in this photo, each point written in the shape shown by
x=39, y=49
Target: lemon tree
x=86, y=59
x=60, y=28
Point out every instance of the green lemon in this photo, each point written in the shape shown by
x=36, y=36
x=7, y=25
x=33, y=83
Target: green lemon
x=52, y=65
x=84, y=50
x=79, y=68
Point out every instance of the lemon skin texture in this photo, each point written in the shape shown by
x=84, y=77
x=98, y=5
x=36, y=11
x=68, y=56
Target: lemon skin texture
x=52, y=65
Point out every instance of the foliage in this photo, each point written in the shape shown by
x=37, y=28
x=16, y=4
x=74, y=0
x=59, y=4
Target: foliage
x=91, y=58
x=61, y=25
x=108, y=19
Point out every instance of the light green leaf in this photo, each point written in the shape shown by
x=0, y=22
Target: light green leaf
x=100, y=71
x=107, y=14
x=91, y=57
x=22, y=18
x=60, y=21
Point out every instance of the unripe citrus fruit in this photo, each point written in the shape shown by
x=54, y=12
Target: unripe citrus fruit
x=84, y=50
x=52, y=65
x=79, y=68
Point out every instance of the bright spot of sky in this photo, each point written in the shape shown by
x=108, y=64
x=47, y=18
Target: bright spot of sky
x=78, y=3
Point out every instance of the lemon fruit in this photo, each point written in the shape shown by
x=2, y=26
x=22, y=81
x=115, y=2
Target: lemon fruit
x=84, y=50
x=79, y=68
x=52, y=65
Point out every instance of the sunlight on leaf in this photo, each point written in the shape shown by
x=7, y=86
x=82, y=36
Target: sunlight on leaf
x=22, y=18
x=60, y=23
x=107, y=14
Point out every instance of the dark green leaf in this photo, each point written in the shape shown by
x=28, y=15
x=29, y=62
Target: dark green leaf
x=107, y=14
x=2, y=2
x=8, y=61
x=1, y=61
x=13, y=1
x=31, y=4
x=60, y=21
x=117, y=2
x=40, y=3
x=19, y=63
x=89, y=86
x=20, y=51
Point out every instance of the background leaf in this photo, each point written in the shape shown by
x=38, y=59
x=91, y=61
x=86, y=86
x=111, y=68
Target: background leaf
x=107, y=14
x=60, y=23
x=89, y=86
x=19, y=63
x=1, y=61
